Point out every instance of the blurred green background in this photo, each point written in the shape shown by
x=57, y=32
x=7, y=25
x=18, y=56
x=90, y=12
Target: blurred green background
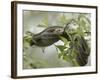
x=37, y=21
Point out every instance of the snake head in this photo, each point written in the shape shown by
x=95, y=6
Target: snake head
x=71, y=26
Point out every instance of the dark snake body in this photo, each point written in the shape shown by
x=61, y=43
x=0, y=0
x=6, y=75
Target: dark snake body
x=83, y=51
x=48, y=36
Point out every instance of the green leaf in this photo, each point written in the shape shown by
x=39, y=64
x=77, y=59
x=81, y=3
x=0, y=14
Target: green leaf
x=27, y=40
x=64, y=40
x=75, y=63
x=61, y=47
x=66, y=58
x=28, y=33
x=60, y=55
x=73, y=53
x=80, y=31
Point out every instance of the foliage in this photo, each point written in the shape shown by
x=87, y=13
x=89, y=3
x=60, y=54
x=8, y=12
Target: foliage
x=70, y=53
x=27, y=39
x=67, y=51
